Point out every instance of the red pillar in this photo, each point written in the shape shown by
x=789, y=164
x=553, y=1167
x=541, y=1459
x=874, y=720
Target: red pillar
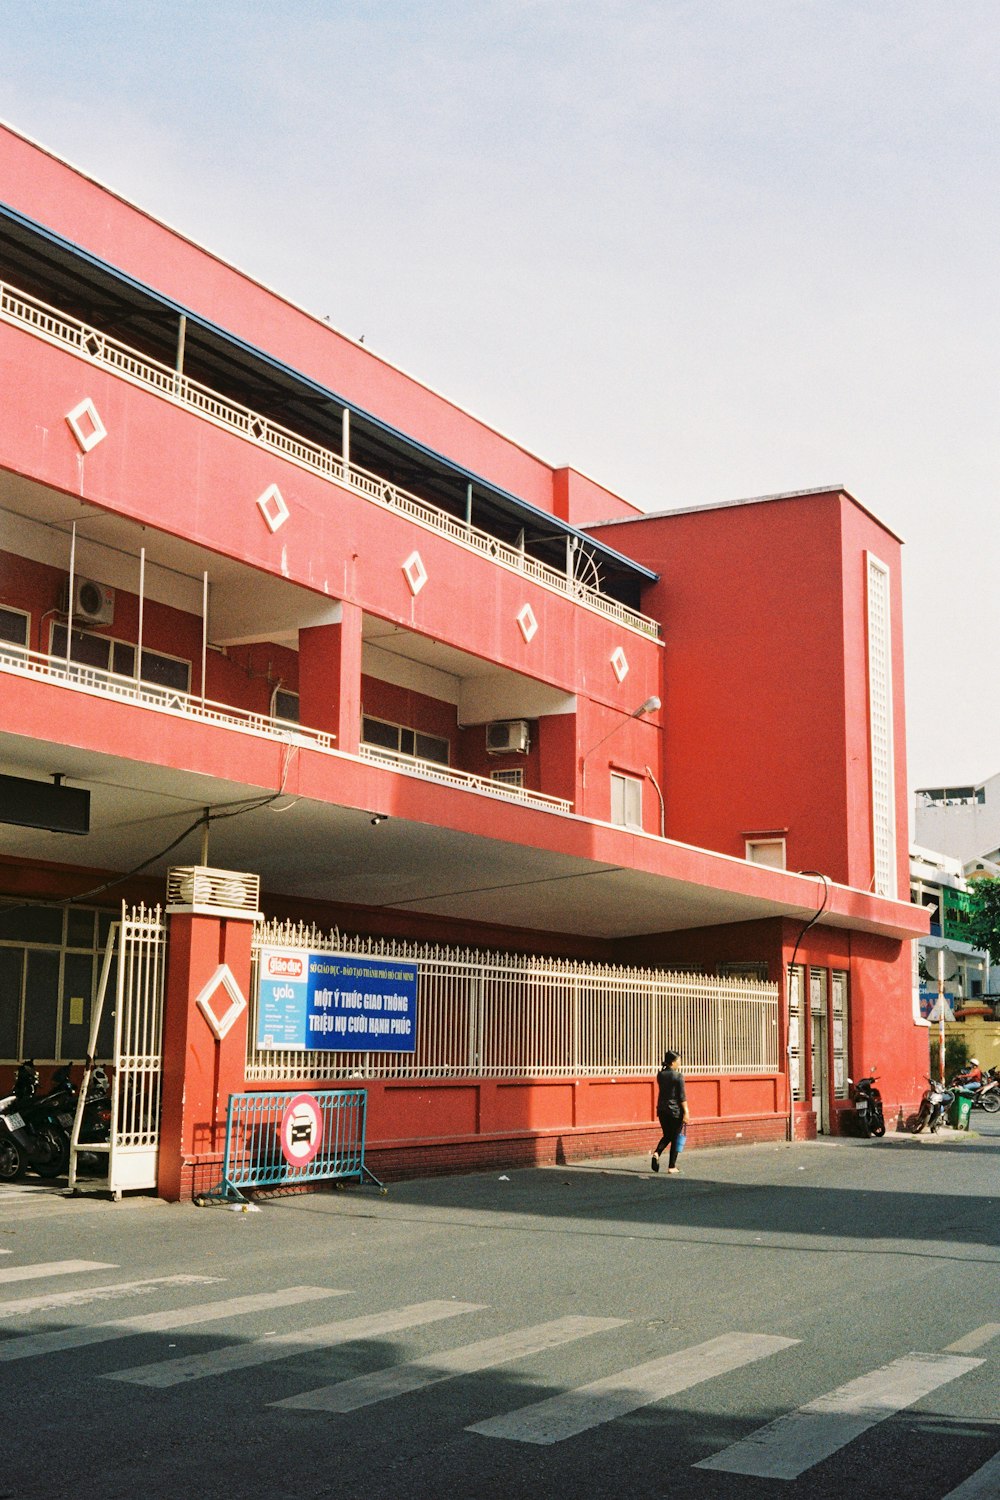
x=208, y=957
x=330, y=678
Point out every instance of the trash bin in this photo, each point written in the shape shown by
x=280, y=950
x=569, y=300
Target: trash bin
x=958, y=1115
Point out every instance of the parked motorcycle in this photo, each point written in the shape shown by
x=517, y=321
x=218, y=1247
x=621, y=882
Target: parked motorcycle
x=987, y=1095
x=35, y=1130
x=934, y=1107
x=31, y=1135
x=867, y=1106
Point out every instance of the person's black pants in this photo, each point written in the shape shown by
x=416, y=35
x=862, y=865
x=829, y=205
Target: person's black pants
x=672, y=1128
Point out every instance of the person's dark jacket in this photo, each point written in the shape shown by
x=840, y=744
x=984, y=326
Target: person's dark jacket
x=670, y=1095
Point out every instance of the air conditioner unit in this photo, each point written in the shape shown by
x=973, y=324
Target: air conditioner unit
x=508, y=737
x=93, y=603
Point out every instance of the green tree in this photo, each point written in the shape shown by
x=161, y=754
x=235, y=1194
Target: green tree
x=984, y=916
x=956, y=1055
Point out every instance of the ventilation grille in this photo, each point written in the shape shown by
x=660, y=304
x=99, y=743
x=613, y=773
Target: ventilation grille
x=880, y=713
x=213, y=890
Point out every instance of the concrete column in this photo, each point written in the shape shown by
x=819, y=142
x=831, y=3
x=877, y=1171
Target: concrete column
x=330, y=678
x=208, y=956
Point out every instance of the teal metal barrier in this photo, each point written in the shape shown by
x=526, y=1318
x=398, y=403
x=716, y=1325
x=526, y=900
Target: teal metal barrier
x=288, y=1139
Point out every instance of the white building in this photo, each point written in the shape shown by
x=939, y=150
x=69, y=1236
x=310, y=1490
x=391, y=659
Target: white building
x=938, y=882
x=960, y=821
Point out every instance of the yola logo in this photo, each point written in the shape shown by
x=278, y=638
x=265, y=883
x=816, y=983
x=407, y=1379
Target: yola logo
x=281, y=967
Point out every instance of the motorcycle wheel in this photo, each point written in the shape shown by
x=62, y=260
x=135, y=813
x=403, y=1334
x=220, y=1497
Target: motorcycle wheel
x=879, y=1129
x=58, y=1154
x=864, y=1129
x=917, y=1124
x=990, y=1103
x=12, y=1163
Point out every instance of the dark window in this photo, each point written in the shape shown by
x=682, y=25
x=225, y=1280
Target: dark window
x=11, y=969
x=13, y=627
x=41, y=1004
x=405, y=741
x=285, y=705
x=107, y=655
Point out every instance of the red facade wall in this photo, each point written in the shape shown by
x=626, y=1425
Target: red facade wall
x=765, y=675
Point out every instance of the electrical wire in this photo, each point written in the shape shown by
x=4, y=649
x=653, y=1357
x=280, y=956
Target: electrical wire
x=791, y=970
x=210, y=815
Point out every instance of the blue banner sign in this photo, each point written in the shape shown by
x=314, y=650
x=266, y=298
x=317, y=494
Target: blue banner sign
x=335, y=1002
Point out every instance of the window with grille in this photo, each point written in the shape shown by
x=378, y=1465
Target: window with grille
x=880, y=720
x=513, y=777
x=403, y=741
x=796, y=983
x=626, y=800
x=838, y=1019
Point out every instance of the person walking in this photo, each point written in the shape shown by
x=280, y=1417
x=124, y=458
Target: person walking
x=671, y=1111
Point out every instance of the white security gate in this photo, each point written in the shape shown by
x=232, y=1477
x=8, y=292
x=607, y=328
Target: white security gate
x=134, y=969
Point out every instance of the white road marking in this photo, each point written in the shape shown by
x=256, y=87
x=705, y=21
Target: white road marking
x=28, y=1345
x=170, y=1372
x=572, y=1412
x=974, y=1340
x=397, y=1380
x=784, y=1449
x=21, y=1306
x=53, y=1268
x=984, y=1484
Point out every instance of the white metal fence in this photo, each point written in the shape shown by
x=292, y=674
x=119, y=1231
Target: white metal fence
x=496, y=1015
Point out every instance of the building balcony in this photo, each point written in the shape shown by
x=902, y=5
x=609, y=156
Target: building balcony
x=175, y=704
x=575, y=579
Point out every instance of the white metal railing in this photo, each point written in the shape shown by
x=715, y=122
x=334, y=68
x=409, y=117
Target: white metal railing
x=38, y=317
x=24, y=663
x=432, y=770
x=496, y=1015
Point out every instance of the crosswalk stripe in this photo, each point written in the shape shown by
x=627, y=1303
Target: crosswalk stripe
x=28, y=1345
x=974, y=1340
x=169, y=1372
x=984, y=1484
x=397, y=1380
x=20, y=1307
x=572, y=1412
x=784, y=1449
x=53, y=1268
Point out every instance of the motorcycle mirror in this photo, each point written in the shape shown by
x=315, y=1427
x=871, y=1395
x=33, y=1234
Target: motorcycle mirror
x=851, y=1082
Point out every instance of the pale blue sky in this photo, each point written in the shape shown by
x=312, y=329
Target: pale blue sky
x=700, y=249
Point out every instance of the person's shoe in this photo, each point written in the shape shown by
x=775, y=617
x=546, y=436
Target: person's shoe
x=655, y=1163
x=673, y=1171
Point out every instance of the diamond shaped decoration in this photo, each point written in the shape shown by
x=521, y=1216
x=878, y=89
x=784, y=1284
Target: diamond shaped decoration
x=85, y=425
x=619, y=664
x=223, y=979
x=272, y=507
x=526, y=622
x=415, y=573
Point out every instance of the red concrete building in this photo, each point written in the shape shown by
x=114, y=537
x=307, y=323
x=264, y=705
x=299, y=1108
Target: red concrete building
x=324, y=649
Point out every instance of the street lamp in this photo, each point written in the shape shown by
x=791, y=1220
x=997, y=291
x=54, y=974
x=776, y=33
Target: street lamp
x=649, y=707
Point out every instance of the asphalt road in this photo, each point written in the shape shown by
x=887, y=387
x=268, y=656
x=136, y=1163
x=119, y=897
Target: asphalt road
x=811, y=1321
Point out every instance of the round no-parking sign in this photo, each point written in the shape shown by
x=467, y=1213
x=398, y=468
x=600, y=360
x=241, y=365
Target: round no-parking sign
x=301, y=1130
